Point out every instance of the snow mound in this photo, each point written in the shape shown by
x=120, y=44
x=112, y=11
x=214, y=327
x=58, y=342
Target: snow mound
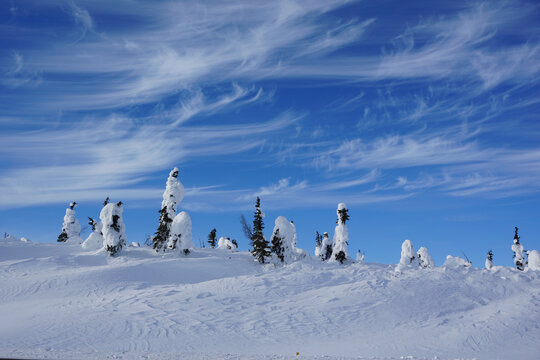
x=456, y=262
x=534, y=260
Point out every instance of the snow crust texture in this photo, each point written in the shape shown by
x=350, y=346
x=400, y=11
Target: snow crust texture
x=64, y=302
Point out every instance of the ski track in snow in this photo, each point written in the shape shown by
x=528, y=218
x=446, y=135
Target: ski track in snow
x=59, y=301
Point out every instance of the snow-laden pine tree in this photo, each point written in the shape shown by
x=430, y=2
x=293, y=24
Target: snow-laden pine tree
x=341, y=235
x=212, y=238
x=489, y=260
x=259, y=243
x=71, y=229
x=172, y=196
x=318, y=244
x=94, y=241
x=225, y=243
x=113, y=228
x=517, y=248
x=409, y=258
x=283, y=238
x=326, y=247
x=181, y=238
x=425, y=258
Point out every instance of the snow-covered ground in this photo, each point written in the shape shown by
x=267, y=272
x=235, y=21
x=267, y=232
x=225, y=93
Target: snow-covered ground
x=60, y=301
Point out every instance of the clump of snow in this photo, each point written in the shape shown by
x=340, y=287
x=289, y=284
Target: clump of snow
x=113, y=228
x=425, y=258
x=71, y=226
x=409, y=258
x=23, y=239
x=135, y=244
x=341, y=235
x=181, y=238
x=94, y=241
x=456, y=262
x=173, y=194
x=534, y=260
x=225, y=243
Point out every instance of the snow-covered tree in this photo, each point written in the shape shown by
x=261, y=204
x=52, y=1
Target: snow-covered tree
x=489, y=260
x=71, y=229
x=283, y=240
x=259, y=243
x=181, y=238
x=172, y=196
x=534, y=260
x=425, y=258
x=409, y=258
x=360, y=256
x=113, y=228
x=326, y=247
x=212, y=238
x=225, y=243
x=341, y=235
x=94, y=241
x=517, y=248
x=318, y=244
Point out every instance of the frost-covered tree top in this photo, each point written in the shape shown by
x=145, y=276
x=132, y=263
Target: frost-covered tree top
x=173, y=194
x=71, y=228
x=113, y=228
x=341, y=235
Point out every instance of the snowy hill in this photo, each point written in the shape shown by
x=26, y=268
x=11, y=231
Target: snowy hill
x=60, y=301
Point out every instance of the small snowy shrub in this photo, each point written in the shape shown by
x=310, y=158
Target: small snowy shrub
x=225, y=243
x=181, y=238
x=360, y=256
x=212, y=238
x=425, y=258
x=489, y=260
x=326, y=247
x=456, y=262
x=94, y=241
x=517, y=248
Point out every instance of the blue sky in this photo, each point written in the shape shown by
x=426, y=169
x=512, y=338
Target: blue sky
x=422, y=118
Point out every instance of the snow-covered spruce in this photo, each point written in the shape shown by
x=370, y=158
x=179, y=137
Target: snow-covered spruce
x=71, y=229
x=113, y=228
x=172, y=196
x=425, y=258
x=282, y=240
x=94, y=241
x=260, y=249
x=341, y=235
x=326, y=247
x=534, y=260
x=360, y=256
x=517, y=248
x=318, y=244
x=225, y=243
x=212, y=238
x=409, y=258
x=181, y=238
x=489, y=260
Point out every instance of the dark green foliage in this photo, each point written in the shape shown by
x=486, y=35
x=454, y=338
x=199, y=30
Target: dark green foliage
x=318, y=239
x=277, y=246
x=516, y=236
x=62, y=237
x=235, y=243
x=343, y=215
x=490, y=255
x=163, y=230
x=212, y=238
x=106, y=201
x=340, y=256
x=259, y=243
x=92, y=223
x=115, y=224
x=72, y=205
x=112, y=250
x=175, y=241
